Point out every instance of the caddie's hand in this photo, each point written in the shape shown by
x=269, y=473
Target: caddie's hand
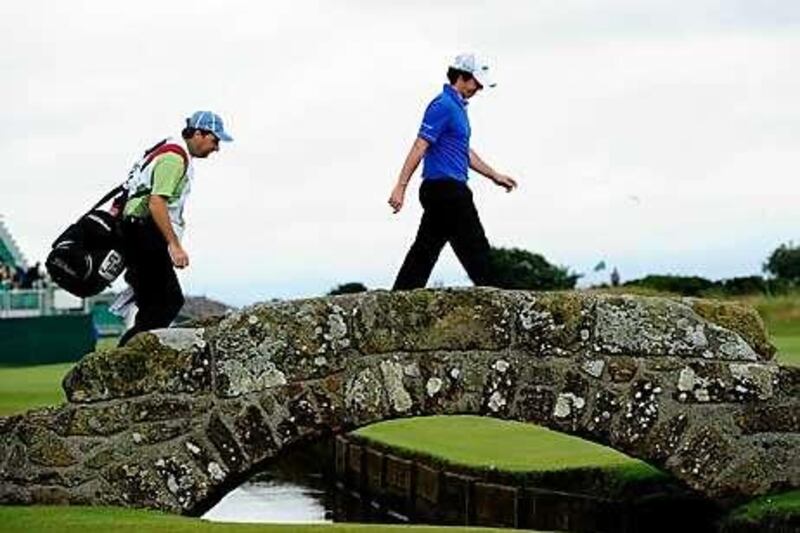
x=396, y=198
x=178, y=255
x=507, y=182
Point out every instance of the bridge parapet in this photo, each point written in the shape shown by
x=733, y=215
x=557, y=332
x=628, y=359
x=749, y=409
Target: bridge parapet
x=178, y=417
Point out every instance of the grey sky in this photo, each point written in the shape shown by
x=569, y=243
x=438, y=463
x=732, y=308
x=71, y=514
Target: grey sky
x=658, y=136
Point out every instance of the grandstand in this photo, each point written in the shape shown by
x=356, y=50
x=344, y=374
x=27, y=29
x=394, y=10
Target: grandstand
x=43, y=324
x=10, y=253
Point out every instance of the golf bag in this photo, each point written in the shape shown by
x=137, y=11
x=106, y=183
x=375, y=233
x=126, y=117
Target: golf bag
x=87, y=257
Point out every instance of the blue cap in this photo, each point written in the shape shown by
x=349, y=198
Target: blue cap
x=208, y=121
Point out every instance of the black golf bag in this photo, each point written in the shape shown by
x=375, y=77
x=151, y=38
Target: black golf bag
x=88, y=257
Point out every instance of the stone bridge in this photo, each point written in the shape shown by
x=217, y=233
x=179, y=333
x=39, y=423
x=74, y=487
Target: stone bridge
x=181, y=416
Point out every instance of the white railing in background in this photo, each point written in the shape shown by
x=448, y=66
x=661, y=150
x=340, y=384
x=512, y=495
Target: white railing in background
x=21, y=303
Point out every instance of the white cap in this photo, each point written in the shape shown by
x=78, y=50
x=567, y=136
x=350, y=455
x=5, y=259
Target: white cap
x=469, y=62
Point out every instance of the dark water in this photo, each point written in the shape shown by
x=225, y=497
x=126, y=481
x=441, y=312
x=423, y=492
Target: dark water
x=301, y=488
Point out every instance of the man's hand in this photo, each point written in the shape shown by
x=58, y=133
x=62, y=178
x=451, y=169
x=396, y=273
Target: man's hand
x=507, y=182
x=397, y=197
x=178, y=255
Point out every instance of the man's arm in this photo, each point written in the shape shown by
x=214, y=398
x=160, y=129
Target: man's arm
x=481, y=167
x=160, y=214
x=411, y=163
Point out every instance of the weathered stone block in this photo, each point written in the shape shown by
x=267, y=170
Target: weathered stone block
x=534, y=404
x=603, y=407
x=703, y=455
x=364, y=397
x=157, y=408
x=102, y=420
x=425, y=320
x=622, y=369
x=48, y=449
x=140, y=485
x=143, y=366
x=667, y=436
x=201, y=452
x=227, y=447
x=268, y=345
x=736, y=317
x=553, y=324
x=155, y=432
x=660, y=326
x=789, y=382
x=254, y=434
x=182, y=479
x=640, y=412
x=781, y=418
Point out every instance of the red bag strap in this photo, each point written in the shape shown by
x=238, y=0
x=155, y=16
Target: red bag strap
x=167, y=148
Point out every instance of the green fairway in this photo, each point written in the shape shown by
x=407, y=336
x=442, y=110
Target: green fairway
x=27, y=387
x=788, y=349
x=81, y=519
x=487, y=443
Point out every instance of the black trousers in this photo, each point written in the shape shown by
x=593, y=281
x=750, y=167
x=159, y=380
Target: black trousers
x=449, y=216
x=150, y=273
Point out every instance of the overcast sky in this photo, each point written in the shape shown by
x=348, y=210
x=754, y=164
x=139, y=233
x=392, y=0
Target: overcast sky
x=659, y=136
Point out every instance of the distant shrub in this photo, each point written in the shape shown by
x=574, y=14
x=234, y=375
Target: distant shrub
x=513, y=268
x=684, y=285
x=743, y=285
x=348, y=288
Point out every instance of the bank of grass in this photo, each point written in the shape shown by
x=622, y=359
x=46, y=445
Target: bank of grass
x=28, y=387
x=781, y=315
x=63, y=519
x=782, y=509
x=499, y=445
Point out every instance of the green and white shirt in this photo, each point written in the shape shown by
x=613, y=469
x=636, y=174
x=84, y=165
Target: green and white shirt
x=164, y=176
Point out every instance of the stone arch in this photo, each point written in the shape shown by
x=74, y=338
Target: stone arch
x=179, y=416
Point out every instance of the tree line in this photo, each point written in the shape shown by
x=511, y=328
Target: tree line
x=515, y=268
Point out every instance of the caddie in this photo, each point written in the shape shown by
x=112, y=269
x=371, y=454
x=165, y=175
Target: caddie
x=153, y=224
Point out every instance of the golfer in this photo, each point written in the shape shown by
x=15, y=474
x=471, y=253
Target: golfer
x=449, y=212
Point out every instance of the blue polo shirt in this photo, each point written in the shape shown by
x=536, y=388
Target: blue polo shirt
x=446, y=127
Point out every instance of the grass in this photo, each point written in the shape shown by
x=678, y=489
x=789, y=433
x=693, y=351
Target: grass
x=487, y=443
x=788, y=349
x=777, y=507
x=781, y=315
x=28, y=387
x=82, y=519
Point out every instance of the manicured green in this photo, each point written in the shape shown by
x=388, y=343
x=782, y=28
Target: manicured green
x=28, y=387
x=788, y=349
x=781, y=315
x=83, y=519
x=487, y=443
x=774, y=507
